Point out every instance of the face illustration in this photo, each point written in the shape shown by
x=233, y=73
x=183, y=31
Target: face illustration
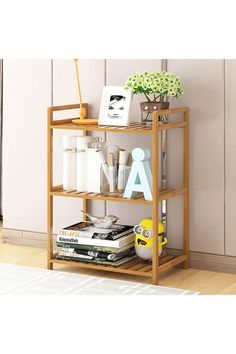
x=116, y=107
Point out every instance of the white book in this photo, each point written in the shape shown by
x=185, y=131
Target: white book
x=74, y=255
x=78, y=240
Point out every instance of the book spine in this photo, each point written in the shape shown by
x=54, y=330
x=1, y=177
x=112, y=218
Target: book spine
x=87, y=247
x=98, y=255
x=113, y=235
x=96, y=261
x=96, y=242
x=67, y=239
x=68, y=233
x=74, y=256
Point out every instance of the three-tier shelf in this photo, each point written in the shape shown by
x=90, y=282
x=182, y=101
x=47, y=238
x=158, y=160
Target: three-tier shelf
x=136, y=266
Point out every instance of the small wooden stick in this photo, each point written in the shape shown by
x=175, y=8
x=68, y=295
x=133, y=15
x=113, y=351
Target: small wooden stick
x=82, y=113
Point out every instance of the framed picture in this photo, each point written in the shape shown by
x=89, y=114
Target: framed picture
x=115, y=106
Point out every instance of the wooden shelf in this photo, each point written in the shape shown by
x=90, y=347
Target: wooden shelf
x=116, y=197
x=133, y=128
x=136, y=266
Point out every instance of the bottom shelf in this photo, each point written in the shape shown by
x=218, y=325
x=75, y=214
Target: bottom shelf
x=136, y=266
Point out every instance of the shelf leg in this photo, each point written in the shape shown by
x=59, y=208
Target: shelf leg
x=186, y=185
x=50, y=266
x=164, y=119
x=50, y=233
x=85, y=201
x=155, y=258
x=50, y=198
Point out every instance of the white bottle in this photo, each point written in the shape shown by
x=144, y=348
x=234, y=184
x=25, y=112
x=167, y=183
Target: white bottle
x=69, y=163
x=95, y=172
x=124, y=169
x=112, y=173
x=82, y=145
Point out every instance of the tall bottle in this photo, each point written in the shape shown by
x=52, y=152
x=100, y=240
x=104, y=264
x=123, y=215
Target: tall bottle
x=82, y=146
x=95, y=165
x=69, y=163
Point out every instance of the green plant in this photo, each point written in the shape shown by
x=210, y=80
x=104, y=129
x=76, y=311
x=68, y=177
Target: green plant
x=160, y=84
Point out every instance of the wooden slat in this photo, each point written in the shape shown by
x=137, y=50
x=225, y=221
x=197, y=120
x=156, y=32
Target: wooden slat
x=164, y=259
x=172, y=263
x=171, y=194
x=100, y=197
x=67, y=107
x=138, y=266
x=57, y=188
x=100, y=267
x=146, y=268
x=98, y=128
x=173, y=125
x=134, y=267
x=117, y=197
x=129, y=129
x=130, y=263
x=171, y=111
x=67, y=121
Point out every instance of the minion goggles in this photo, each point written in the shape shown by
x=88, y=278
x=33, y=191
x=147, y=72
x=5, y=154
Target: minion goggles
x=140, y=230
x=146, y=233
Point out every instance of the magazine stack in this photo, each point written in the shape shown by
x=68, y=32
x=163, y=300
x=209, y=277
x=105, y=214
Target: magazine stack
x=85, y=243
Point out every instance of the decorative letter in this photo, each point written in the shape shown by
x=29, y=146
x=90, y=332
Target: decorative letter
x=140, y=178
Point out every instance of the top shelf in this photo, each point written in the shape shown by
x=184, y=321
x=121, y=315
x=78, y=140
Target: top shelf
x=134, y=128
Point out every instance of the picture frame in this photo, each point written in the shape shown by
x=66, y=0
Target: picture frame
x=115, y=106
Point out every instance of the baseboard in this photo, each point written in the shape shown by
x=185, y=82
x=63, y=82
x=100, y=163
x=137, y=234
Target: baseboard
x=211, y=262
x=24, y=238
x=205, y=261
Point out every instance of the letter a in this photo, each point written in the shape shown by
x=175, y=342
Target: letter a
x=140, y=177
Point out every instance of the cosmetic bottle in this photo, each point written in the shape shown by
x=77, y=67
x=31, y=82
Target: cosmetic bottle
x=69, y=163
x=104, y=165
x=124, y=170
x=82, y=146
x=112, y=173
x=96, y=179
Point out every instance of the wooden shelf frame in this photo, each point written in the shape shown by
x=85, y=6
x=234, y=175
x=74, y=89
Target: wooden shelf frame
x=164, y=194
x=135, y=266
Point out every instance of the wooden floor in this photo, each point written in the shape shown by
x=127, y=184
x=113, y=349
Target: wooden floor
x=206, y=282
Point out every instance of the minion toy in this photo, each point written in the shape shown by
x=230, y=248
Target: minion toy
x=144, y=238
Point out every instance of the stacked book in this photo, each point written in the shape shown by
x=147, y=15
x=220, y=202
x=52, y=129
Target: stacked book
x=86, y=243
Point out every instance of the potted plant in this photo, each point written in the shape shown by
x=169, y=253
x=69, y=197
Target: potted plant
x=158, y=87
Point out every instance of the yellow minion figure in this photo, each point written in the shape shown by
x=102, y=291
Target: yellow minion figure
x=144, y=237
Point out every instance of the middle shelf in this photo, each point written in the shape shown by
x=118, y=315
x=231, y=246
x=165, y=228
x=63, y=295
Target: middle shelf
x=163, y=194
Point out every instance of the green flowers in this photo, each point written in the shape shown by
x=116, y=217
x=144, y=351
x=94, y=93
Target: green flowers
x=161, y=83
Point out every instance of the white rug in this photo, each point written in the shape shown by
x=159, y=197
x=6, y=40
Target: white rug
x=21, y=280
